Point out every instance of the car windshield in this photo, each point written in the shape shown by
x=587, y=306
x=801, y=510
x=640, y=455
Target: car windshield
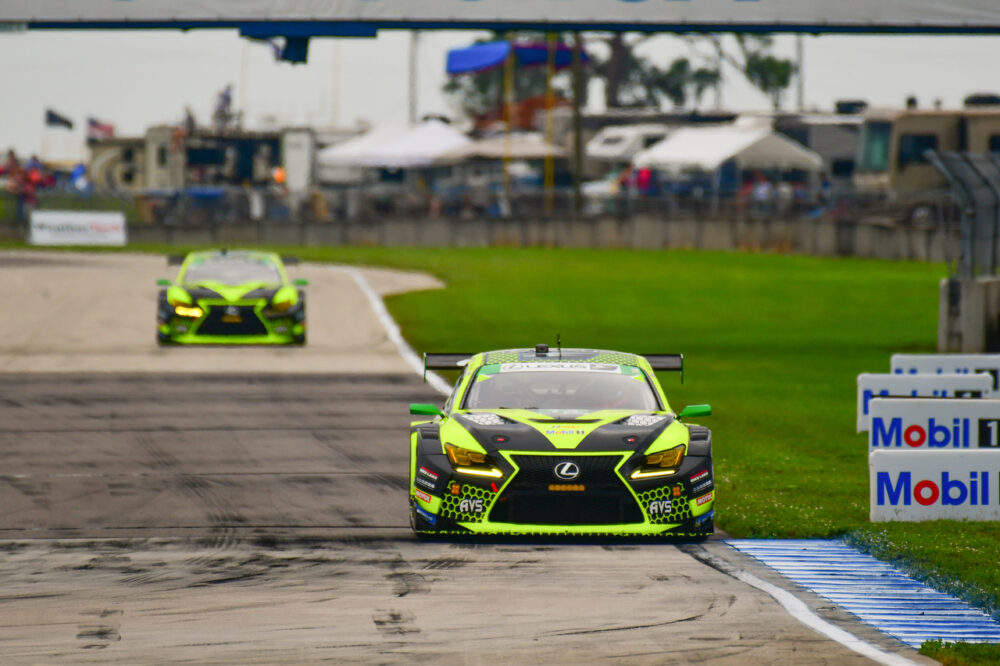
x=232, y=270
x=561, y=387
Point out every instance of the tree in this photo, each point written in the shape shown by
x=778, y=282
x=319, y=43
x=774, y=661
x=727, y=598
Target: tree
x=771, y=75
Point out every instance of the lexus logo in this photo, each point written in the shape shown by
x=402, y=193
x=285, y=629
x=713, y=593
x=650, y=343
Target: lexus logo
x=567, y=471
x=232, y=310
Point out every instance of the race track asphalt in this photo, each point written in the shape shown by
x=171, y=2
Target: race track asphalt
x=249, y=506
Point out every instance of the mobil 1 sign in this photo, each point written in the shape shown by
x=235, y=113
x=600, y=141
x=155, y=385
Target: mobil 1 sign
x=871, y=385
x=929, y=423
x=934, y=485
x=951, y=364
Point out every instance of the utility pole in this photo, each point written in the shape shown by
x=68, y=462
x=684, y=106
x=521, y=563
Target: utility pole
x=414, y=48
x=799, y=81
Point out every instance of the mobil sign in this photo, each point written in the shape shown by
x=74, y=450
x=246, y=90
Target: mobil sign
x=934, y=485
x=871, y=385
x=951, y=364
x=898, y=424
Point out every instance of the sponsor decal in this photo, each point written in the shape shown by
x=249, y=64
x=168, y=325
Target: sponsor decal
x=704, y=485
x=699, y=476
x=426, y=515
x=421, y=481
x=705, y=498
x=564, y=431
x=704, y=518
x=567, y=471
x=660, y=507
x=470, y=506
x=945, y=492
x=935, y=435
x=677, y=490
x=562, y=367
x=455, y=489
x=421, y=495
x=423, y=471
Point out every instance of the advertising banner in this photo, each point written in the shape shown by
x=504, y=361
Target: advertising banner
x=70, y=227
x=820, y=15
x=928, y=424
x=875, y=385
x=937, y=364
x=911, y=486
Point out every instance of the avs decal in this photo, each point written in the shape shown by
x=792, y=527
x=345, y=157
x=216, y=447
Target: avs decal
x=660, y=507
x=704, y=499
x=467, y=505
x=421, y=495
x=426, y=515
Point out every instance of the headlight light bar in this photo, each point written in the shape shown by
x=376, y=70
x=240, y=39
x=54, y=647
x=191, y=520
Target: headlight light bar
x=662, y=463
x=472, y=463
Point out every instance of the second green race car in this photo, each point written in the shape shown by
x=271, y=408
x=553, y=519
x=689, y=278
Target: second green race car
x=231, y=297
x=560, y=442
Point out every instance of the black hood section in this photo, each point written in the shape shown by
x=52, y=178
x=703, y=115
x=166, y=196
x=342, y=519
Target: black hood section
x=521, y=437
x=201, y=292
x=264, y=292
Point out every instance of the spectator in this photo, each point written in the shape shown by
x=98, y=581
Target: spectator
x=11, y=164
x=223, y=106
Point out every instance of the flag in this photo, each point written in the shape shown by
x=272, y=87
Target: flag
x=97, y=130
x=53, y=119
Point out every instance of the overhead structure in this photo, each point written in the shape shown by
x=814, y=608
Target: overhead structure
x=490, y=55
x=708, y=148
x=313, y=18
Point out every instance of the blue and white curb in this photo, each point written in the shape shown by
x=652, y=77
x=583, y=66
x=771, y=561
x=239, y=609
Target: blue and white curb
x=875, y=592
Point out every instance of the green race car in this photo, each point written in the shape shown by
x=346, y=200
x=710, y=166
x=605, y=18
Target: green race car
x=231, y=297
x=560, y=442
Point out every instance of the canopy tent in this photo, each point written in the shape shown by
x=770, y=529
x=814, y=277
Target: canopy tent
x=418, y=147
x=395, y=146
x=620, y=143
x=480, y=57
x=707, y=148
x=353, y=151
x=517, y=147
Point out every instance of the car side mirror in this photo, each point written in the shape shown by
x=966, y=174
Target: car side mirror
x=695, y=410
x=301, y=282
x=425, y=410
x=163, y=282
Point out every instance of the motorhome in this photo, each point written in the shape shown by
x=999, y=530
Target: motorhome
x=891, y=153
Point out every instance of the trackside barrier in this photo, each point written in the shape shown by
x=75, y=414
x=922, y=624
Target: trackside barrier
x=873, y=385
x=938, y=364
x=927, y=424
x=70, y=227
x=915, y=486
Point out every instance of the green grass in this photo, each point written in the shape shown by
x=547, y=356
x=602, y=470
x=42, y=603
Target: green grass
x=774, y=343
x=962, y=654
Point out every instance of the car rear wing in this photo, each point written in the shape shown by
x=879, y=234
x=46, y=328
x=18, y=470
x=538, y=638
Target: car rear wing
x=667, y=362
x=445, y=362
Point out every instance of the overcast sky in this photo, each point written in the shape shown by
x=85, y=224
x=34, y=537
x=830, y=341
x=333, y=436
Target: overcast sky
x=138, y=79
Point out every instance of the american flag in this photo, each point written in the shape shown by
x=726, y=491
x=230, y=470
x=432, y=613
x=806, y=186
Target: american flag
x=97, y=130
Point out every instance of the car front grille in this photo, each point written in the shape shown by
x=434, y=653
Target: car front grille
x=527, y=499
x=213, y=323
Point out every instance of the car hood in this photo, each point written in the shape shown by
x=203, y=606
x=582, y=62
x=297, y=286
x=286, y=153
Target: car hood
x=231, y=293
x=525, y=430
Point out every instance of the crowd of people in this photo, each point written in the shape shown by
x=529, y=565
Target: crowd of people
x=24, y=180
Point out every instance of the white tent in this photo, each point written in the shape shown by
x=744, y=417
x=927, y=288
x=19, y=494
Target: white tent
x=707, y=148
x=420, y=146
x=353, y=151
x=516, y=147
x=620, y=143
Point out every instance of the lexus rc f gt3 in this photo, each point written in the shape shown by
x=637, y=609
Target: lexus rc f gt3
x=231, y=297
x=567, y=442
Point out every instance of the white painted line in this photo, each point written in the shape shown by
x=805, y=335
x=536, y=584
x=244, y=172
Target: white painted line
x=801, y=612
x=410, y=357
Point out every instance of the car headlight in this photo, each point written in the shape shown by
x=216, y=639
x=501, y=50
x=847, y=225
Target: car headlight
x=662, y=463
x=281, y=306
x=473, y=463
x=188, y=311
